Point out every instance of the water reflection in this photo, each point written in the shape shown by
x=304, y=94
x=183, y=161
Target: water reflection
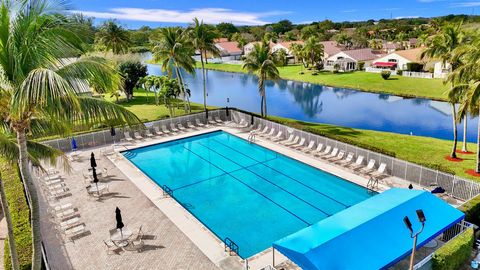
x=323, y=104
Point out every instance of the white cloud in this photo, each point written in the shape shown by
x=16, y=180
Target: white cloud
x=208, y=15
x=466, y=4
x=406, y=17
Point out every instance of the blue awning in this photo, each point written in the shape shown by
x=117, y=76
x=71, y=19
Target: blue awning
x=371, y=234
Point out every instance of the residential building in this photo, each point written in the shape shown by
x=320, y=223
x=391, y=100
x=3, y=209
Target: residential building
x=229, y=49
x=348, y=60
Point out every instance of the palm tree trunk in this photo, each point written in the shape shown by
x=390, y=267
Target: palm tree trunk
x=455, y=133
x=180, y=84
x=32, y=199
x=187, y=97
x=464, y=146
x=264, y=98
x=11, y=238
x=204, y=83
x=478, y=146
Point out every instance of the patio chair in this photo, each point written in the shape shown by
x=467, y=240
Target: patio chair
x=148, y=133
x=300, y=144
x=290, y=139
x=340, y=156
x=331, y=155
x=218, y=120
x=64, y=214
x=109, y=150
x=60, y=207
x=190, y=125
x=309, y=147
x=111, y=248
x=181, y=127
x=68, y=223
x=277, y=137
x=263, y=132
x=173, y=128
x=369, y=168
x=157, y=131
x=295, y=141
x=52, y=182
x=346, y=161
x=136, y=241
x=269, y=134
x=258, y=129
x=199, y=123
x=73, y=156
x=58, y=193
x=325, y=152
x=317, y=150
x=137, y=135
x=380, y=172
x=211, y=121
x=76, y=231
x=243, y=124
x=165, y=130
x=358, y=163
x=127, y=136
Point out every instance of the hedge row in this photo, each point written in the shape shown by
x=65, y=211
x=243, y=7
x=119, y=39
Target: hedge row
x=472, y=210
x=454, y=253
x=20, y=215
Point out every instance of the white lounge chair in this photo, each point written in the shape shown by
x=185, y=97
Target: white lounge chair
x=278, y=137
x=218, y=120
x=60, y=207
x=340, y=156
x=181, y=127
x=332, y=154
x=309, y=148
x=369, y=168
x=199, y=123
x=258, y=129
x=76, y=231
x=300, y=144
x=190, y=125
x=165, y=130
x=148, y=133
x=211, y=121
x=295, y=141
x=269, y=134
x=289, y=140
x=157, y=130
x=263, y=132
x=173, y=128
x=346, y=161
x=317, y=150
x=242, y=124
x=325, y=152
x=380, y=172
x=137, y=135
x=358, y=163
x=69, y=223
x=127, y=137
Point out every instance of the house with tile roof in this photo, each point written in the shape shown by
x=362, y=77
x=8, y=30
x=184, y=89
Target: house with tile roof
x=229, y=49
x=349, y=60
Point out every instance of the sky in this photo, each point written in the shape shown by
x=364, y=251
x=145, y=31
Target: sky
x=134, y=14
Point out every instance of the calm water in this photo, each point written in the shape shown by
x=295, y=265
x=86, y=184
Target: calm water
x=322, y=104
x=223, y=180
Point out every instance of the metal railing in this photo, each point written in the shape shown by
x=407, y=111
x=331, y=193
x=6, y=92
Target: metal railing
x=230, y=246
x=167, y=191
x=455, y=186
x=423, y=75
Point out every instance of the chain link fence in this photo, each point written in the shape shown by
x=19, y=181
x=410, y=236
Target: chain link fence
x=455, y=186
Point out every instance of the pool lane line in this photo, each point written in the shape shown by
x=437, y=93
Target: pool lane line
x=228, y=146
x=266, y=165
x=288, y=211
x=265, y=179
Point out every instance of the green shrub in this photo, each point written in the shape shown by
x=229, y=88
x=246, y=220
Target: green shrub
x=399, y=72
x=415, y=67
x=472, y=210
x=361, y=65
x=20, y=214
x=335, y=71
x=453, y=254
x=385, y=74
x=138, y=49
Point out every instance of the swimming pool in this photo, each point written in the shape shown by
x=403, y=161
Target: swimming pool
x=243, y=191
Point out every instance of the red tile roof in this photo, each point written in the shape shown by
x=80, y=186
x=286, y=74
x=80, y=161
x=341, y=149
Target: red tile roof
x=230, y=47
x=330, y=47
x=287, y=44
x=361, y=54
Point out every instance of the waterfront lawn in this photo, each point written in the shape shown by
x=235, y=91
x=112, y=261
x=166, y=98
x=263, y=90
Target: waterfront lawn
x=421, y=150
x=365, y=81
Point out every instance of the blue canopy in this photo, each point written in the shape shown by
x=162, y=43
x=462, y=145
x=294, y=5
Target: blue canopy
x=74, y=144
x=371, y=234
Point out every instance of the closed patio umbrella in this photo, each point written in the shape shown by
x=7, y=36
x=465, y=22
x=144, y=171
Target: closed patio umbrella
x=74, y=144
x=113, y=133
x=93, y=162
x=95, y=179
x=118, y=218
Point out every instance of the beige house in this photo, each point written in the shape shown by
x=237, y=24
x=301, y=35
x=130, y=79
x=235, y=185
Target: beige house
x=348, y=60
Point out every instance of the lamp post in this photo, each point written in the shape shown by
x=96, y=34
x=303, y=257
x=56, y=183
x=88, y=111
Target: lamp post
x=406, y=220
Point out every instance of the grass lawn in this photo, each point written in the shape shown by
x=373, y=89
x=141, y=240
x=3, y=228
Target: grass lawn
x=370, y=82
x=143, y=105
x=416, y=149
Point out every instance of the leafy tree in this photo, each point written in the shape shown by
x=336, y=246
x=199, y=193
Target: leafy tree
x=169, y=93
x=84, y=25
x=260, y=61
x=314, y=49
x=282, y=26
x=113, y=37
x=238, y=37
x=344, y=40
x=280, y=57
x=131, y=72
x=152, y=83
x=203, y=38
x=39, y=89
x=226, y=29
x=375, y=44
x=291, y=35
x=300, y=54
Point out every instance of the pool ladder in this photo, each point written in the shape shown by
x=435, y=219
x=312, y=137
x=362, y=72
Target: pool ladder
x=252, y=136
x=230, y=246
x=167, y=191
x=372, y=183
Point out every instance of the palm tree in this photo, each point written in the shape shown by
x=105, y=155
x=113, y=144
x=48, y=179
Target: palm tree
x=203, y=38
x=442, y=46
x=375, y=44
x=152, y=83
x=260, y=61
x=169, y=92
x=466, y=81
x=298, y=50
x=39, y=85
x=314, y=50
x=113, y=37
x=174, y=50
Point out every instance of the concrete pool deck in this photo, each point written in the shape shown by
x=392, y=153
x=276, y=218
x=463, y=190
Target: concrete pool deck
x=182, y=241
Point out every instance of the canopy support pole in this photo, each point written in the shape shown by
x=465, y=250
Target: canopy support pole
x=273, y=256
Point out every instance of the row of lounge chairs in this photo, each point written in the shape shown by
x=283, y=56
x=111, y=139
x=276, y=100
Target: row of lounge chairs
x=325, y=152
x=172, y=129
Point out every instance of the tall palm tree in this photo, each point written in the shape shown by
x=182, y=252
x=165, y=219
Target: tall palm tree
x=260, y=61
x=40, y=81
x=442, y=46
x=466, y=81
x=113, y=37
x=152, y=83
x=174, y=50
x=203, y=38
x=314, y=50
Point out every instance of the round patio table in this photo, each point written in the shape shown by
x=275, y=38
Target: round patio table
x=97, y=188
x=431, y=244
x=121, y=237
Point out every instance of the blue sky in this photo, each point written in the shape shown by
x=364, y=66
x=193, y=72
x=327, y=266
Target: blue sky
x=134, y=14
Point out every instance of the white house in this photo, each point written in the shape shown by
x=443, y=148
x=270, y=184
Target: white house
x=285, y=45
x=398, y=60
x=348, y=60
x=229, y=49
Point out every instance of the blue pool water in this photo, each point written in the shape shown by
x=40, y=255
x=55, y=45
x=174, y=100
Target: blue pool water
x=243, y=191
